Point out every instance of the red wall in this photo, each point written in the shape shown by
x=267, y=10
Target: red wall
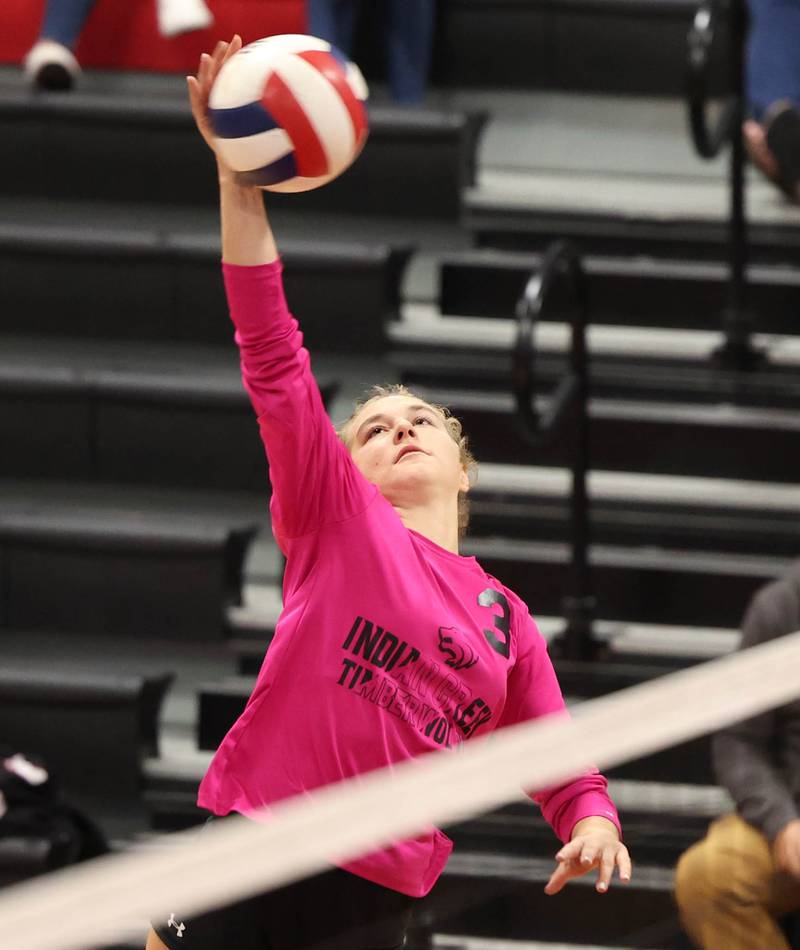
x=123, y=34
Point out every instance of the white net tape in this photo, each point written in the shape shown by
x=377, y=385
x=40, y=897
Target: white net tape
x=86, y=905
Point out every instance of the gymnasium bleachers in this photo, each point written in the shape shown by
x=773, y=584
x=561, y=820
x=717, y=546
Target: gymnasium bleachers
x=141, y=584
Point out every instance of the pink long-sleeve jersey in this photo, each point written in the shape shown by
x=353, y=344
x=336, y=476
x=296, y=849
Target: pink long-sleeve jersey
x=388, y=646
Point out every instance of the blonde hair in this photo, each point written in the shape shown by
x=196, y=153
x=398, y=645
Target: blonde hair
x=452, y=425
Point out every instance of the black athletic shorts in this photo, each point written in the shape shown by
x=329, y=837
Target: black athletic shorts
x=333, y=910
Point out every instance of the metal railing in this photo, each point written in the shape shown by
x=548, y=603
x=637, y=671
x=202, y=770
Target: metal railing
x=566, y=416
x=729, y=19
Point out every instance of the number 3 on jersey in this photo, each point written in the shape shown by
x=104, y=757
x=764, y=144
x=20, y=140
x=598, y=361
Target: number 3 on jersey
x=502, y=622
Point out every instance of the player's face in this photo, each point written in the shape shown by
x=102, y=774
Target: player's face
x=402, y=445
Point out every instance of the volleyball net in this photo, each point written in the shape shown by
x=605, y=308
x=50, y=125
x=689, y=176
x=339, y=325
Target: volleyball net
x=86, y=905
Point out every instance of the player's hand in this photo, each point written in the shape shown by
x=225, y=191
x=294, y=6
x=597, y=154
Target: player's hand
x=595, y=844
x=200, y=85
x=786, y=849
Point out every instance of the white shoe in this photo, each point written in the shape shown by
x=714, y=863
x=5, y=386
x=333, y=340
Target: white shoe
x=182, y=16
x=49, y=65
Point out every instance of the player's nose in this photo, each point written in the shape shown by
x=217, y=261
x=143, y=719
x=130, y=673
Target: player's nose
x=403, y=430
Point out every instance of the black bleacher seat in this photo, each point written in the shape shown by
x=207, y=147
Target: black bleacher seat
x=125, y=562
x=670, y=438
x=45, y=423
x=633, y=47
x=497, y=223
x=92, y=730
x=672, y=525
x=636, y=378
x=154, y=151
x=159, y=279
x=125, y=411
x=482, y=894
x=624, y=291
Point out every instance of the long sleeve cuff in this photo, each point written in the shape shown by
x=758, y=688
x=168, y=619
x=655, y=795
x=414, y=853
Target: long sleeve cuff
x=588, y=805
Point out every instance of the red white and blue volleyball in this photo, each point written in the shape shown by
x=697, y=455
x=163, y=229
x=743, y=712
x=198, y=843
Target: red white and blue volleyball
x=289, y=113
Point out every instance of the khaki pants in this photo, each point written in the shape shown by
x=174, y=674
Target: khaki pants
x=729, y=894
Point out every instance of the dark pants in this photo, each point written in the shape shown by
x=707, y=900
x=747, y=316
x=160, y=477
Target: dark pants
x=409, y=41
x=773, y=54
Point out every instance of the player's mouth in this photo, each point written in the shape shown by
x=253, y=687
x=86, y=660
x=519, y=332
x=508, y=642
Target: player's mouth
x=407, y=450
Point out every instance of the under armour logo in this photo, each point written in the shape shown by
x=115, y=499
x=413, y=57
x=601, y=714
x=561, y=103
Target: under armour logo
x=173, y=923
x=458, y=656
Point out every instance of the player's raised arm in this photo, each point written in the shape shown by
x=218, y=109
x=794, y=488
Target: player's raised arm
x=313, y=479
x=247, y=238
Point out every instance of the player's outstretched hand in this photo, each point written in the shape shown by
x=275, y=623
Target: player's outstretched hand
x=200, y=85
x=592, y=846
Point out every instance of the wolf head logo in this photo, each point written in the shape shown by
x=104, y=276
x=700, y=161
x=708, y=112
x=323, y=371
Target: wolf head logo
x=458, y=657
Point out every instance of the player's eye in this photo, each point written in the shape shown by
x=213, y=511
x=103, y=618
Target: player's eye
x=422, y=419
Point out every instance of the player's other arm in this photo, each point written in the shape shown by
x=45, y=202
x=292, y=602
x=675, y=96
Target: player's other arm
x=580, y=811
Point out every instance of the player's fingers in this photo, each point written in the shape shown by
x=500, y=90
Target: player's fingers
x=232, y=48
x=199, y=105
x=589, y=856
x=219, y=58
x=222, y=54
x=194, y=95
x=607, y=864
x=203, y=71
x=213, y=72
x=570, y=851
x=197, y=99
x=624, y=864
x=558, y=879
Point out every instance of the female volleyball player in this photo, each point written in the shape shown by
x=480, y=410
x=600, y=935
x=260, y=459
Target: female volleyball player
x=390, y=644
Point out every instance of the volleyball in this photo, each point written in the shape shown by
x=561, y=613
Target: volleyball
x=289, y=113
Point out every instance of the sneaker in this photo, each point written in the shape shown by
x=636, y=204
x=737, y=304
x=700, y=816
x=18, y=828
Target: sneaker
x=50, y=65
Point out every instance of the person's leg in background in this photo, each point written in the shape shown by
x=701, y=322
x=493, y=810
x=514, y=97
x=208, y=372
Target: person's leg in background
x=773, y=54
x=728, y=892
x=51, y=64
x=334, y=21
x=64, y=20
x=411, y=26
x=773, y=87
